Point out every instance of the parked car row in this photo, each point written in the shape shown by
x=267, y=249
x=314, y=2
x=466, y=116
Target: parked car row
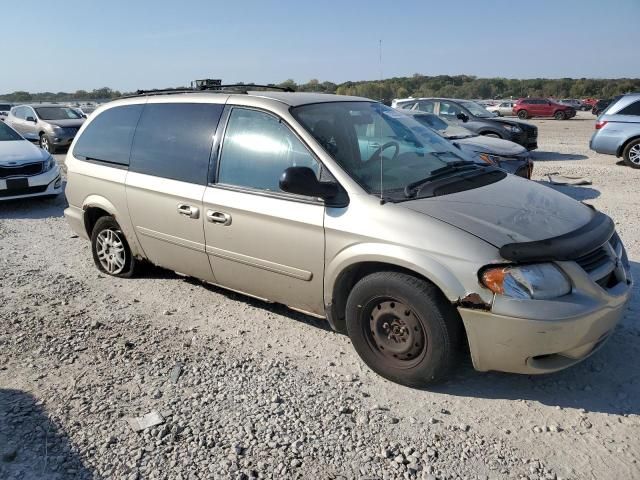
x=474, y=117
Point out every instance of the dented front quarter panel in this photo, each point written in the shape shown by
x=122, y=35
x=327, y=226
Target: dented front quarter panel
x=367, y=231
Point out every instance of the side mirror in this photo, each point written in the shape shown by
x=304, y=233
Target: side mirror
x=303, y=181
x=31, y=119
x=463, y=117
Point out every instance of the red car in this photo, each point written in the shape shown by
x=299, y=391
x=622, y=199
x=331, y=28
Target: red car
x=542, y=107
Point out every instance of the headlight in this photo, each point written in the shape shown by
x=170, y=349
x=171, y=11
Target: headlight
x=56, y=128
x=490, y=159
x=512, y=128
x=540, y=281
x=49, y=164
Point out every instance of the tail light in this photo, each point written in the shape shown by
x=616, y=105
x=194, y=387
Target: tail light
x=600, y=124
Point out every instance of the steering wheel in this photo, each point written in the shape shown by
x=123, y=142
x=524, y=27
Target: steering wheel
x=376, y=155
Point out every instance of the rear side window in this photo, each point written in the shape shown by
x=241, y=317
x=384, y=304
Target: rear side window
x=632, y=109
x=108, y=137
x=173, y=140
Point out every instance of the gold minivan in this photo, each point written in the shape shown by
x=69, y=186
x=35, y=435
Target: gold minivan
x=352, y=211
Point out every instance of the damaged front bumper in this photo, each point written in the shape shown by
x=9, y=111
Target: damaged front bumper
x=542, y=336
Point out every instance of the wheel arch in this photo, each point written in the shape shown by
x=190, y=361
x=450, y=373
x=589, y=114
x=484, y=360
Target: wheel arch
x=94, y=207
x=624, y=144
x=341, y=276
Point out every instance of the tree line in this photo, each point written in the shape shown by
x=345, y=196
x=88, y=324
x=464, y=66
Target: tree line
x=417, y=85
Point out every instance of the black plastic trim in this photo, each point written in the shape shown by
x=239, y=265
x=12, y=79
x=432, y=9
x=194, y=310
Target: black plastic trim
x=564, y=247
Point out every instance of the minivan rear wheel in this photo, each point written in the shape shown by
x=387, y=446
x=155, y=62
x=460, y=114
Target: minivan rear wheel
x=403, y=328
x=522, y=114
x=631, y=154
x=111, y=252
x=559, y=115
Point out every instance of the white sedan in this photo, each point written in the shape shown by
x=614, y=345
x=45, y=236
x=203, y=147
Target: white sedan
x=26, y=170
x=503, y=109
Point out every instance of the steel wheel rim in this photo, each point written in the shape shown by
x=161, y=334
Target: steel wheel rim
x=634, y=154
x=395, y=333
x=111, y=251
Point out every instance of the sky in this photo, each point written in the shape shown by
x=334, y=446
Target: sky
x=128, y=45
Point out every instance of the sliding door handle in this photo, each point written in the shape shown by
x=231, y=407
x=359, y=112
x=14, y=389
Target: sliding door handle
x=219, y=217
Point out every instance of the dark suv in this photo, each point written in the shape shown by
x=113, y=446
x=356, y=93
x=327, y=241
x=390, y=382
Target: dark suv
x=542, y=107
x=476, y=118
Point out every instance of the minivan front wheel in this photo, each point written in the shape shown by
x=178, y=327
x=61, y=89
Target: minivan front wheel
x=403, y=328
x=559, y=115
x=631, y=154
x=111, y=252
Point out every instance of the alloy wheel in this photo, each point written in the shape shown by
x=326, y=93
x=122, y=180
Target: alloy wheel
x=111, y=251
x=44, y=143
x=634, y=154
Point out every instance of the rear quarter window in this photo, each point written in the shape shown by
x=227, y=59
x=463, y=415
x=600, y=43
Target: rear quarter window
x=174, y=140
x=108, y=137
x=631, y=109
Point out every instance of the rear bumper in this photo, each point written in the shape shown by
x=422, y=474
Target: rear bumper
x=602, y=141
x=75, y=219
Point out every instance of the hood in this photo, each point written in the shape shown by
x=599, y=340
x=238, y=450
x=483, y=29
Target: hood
x=511, y=210
x=71, y=122
x=495, y=146
x=19, y=152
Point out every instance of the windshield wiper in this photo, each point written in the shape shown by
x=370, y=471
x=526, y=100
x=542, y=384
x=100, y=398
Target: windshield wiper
x=450, y=167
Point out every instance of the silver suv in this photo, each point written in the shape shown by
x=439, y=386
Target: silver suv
x=53, y=126
x=349, y=210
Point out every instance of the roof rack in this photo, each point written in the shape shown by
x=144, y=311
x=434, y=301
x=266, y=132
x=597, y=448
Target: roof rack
x=235, y=87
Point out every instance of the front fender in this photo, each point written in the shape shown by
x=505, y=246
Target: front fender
x=419, y=262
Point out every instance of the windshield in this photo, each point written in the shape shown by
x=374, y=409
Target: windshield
x=57, y=113
x=477, y=110
x=8, y=134
x=376, y=144
x=444, y=127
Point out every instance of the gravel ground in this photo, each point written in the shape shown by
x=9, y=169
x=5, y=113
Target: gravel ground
x=245, y=389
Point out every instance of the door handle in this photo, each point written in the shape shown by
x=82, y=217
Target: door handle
x=219, y=217
x=188, y=210
x=374, y=145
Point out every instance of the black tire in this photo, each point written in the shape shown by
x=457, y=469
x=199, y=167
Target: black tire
x=631, y=154
x=45, y=144
x=560, y=115
x=419, y=327
x=110, y=227
x=522, y=114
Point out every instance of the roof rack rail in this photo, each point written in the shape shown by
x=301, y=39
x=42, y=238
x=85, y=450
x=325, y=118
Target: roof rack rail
x=237, y=87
